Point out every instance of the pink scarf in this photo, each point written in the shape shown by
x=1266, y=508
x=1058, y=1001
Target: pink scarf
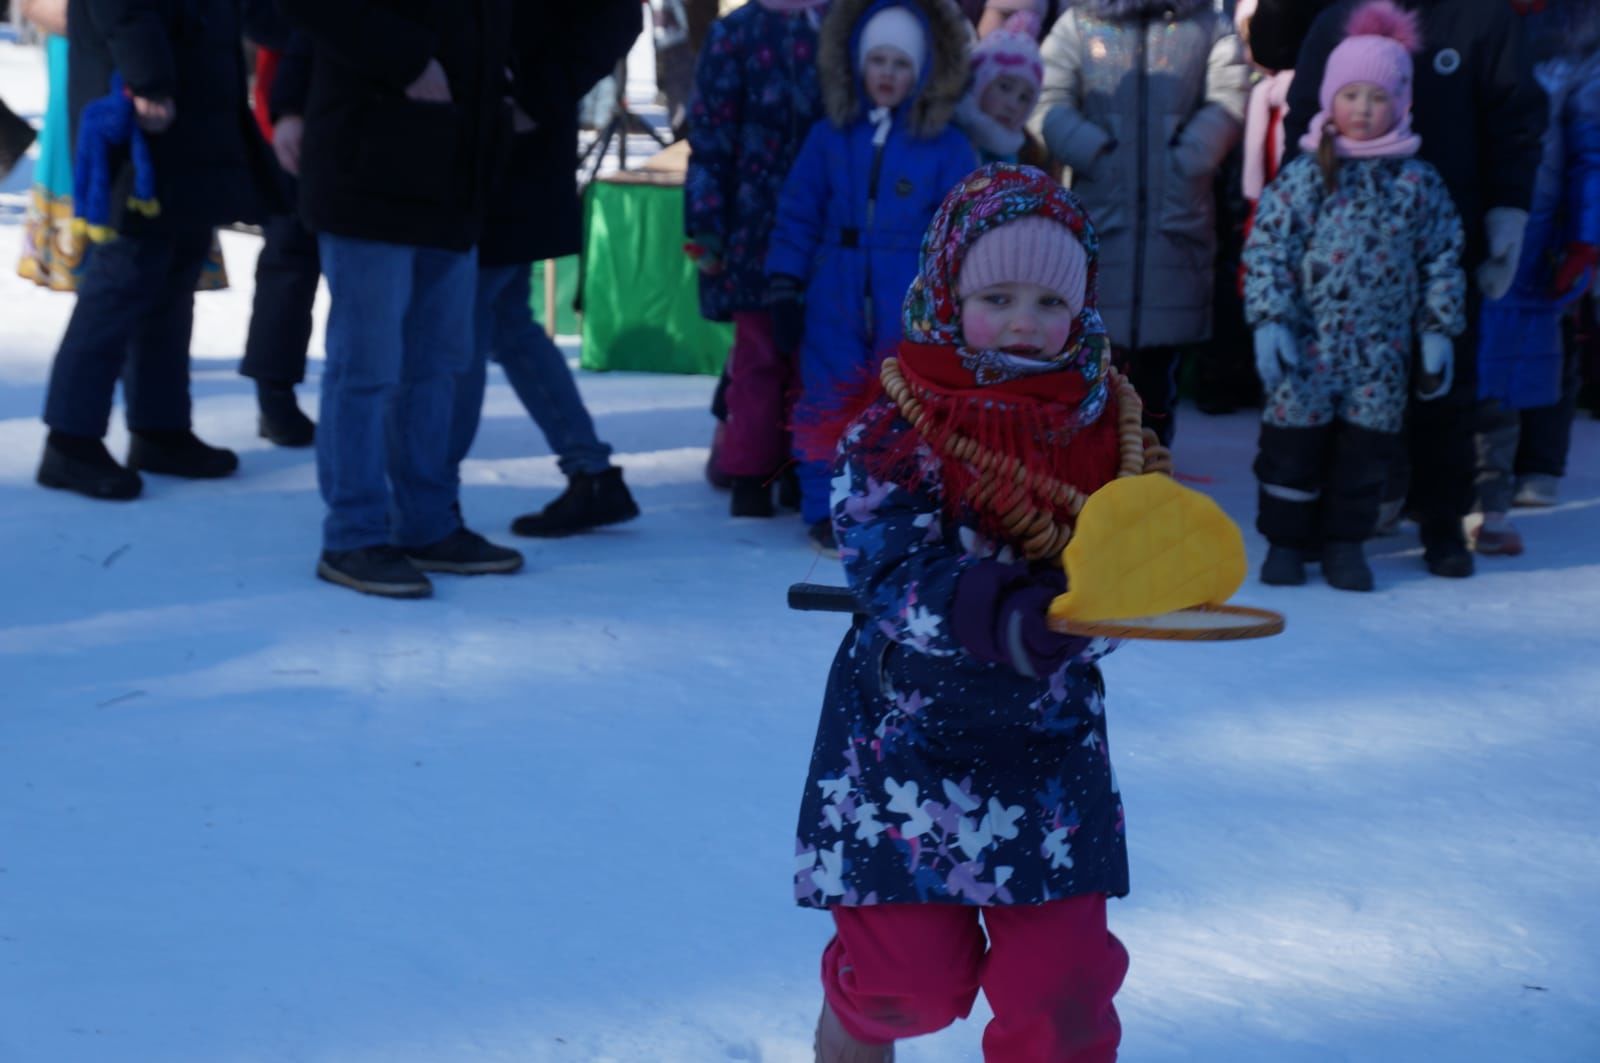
x=1265, y=114
x=1398, y=143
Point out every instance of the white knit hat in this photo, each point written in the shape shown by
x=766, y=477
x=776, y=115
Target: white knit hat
x=897, y=28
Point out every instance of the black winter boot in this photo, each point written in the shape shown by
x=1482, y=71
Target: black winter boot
x=381, y=570
x=591, y=500
x=82, y=464
x=1285, y=566
x=464, y=553
x=789, y=486
x=180, y=453
x=1444, y=549
x=1344, y=565
x=752, y=497
x=281, y=421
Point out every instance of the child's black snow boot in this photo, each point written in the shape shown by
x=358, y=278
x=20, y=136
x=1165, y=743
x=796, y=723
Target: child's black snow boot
x=1344, y=566
x=1285, y=566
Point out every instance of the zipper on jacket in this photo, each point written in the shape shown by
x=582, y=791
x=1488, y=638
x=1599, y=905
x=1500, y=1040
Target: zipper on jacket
x=872, y=210
x=1141, y=58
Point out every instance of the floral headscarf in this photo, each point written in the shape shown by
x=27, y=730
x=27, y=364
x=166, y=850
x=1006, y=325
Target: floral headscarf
x=986, y=199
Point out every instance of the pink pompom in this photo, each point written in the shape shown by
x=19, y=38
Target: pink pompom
x=1381, y=18
x=1026, y=23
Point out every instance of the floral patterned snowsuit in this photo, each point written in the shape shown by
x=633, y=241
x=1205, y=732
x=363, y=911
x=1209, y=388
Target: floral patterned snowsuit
x=1356, y=274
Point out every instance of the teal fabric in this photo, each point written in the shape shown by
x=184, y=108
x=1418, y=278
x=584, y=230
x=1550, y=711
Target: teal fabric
x=54, y=170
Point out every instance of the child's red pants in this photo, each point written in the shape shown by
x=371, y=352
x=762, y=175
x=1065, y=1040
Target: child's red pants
x=761, y=389
x=1049, y=972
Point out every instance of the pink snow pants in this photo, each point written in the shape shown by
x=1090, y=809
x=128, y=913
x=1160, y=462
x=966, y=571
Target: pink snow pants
x=1049, y=971
x=761, y=389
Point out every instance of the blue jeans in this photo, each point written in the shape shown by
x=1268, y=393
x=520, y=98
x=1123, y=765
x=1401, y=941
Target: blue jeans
x=536, y=370
x=399, y=333
x=133, y=319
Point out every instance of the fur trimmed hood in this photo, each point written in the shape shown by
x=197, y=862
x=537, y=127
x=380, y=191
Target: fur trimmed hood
x=943, y=79
x=1120, y=10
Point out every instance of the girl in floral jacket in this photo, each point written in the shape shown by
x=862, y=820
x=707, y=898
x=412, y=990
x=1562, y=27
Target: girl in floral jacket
x=756, y=94
x=960, y=767
x=1355, y=254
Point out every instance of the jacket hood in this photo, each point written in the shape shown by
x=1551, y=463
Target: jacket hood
x=1121, y=10
x=940, y=85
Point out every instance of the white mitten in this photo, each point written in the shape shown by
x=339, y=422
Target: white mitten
x=1275, y=352
x=1504, y=226
x=1438, y=362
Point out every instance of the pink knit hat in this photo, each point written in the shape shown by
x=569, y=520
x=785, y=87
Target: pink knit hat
x=1012, y=49
x=1030, y=250
x=1377, y=49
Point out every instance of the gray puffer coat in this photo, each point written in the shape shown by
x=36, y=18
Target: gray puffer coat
x=1142, y=100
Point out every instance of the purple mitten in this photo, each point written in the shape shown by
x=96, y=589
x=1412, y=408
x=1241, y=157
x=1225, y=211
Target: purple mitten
x=999, y=617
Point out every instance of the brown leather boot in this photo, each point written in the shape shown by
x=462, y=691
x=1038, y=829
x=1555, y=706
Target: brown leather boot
x=834, y=1045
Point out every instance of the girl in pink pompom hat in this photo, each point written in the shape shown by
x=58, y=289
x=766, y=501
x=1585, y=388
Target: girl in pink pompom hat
x=1353, y=261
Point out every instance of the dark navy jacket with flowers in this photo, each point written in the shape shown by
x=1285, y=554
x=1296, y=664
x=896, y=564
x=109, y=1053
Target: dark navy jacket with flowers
x=756, y=96
x=937, y=777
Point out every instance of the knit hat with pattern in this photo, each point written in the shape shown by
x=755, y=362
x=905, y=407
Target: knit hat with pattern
x=1012, y=49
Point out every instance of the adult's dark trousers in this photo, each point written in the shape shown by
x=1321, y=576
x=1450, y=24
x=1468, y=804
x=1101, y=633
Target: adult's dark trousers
x=1321, y=484
x=1436, y=470
x=1153, y=372
x=133, y=319
x=287, y=272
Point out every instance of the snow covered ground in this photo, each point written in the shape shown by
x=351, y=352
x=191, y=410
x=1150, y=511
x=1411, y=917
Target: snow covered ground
x=247, y=817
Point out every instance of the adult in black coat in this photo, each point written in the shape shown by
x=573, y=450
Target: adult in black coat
x=1481, y=116
x=405, y=123
x=379, y=165
x=561, y=49
x=184, y=67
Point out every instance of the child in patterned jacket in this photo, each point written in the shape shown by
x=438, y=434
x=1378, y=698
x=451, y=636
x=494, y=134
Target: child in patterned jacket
x=960, y=774
x=756, y=94
x=1354, y=255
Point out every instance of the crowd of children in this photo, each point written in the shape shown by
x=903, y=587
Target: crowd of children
x=804, y=240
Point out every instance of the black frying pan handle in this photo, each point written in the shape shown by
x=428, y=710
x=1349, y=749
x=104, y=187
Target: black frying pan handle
x=821, y=598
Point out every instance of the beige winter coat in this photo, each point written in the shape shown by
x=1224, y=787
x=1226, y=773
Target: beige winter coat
x=1142, y=100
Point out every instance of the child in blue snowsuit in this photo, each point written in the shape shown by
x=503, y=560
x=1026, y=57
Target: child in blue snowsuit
x=863, y=189
x=1527, y=376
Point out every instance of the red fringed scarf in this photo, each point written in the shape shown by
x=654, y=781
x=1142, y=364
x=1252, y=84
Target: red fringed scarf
x=1032, y=419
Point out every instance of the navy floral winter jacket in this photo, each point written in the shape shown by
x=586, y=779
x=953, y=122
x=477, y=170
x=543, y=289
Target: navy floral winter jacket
x=756, y=96
x=936, y=777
